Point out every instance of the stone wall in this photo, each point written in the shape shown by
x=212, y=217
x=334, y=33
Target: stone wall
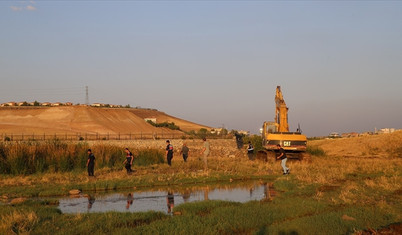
x=219, y=147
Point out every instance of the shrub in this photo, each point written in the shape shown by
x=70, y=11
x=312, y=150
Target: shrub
x=315, y=150
x=149, y=157
x=256, y=141
x=170, y=125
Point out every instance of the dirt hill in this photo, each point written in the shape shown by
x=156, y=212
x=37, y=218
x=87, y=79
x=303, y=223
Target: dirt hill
x=84, y=119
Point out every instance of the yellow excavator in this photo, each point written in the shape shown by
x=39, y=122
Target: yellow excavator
x=277, y=132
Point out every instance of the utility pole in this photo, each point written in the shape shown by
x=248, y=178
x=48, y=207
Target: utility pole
x=87, y=96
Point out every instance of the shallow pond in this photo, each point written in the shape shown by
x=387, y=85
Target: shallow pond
x=164, y=199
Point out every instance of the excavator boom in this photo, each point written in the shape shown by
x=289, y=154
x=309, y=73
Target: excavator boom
x=281, y=111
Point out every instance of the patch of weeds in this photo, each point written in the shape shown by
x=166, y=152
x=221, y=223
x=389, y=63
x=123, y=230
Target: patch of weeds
x=315, y=151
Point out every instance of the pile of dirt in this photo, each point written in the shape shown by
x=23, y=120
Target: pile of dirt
x=85, y=119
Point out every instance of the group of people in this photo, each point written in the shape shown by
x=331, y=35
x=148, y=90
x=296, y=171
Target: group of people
x=185, y=152
x=128, y=162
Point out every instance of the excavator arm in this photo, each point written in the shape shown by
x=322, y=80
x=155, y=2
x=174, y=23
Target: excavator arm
x=281, y=111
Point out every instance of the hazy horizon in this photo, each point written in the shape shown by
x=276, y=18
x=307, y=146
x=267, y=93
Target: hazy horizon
x=213, y=63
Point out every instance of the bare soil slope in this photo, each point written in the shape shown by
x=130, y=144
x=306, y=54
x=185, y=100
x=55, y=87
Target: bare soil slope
x=83, y=119
x=383, y=145
x=163, y=117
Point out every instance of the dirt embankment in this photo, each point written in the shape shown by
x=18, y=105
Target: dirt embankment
x=84, y=119
x=383, y=145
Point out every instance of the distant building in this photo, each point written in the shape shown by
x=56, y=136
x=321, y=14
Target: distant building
x=244, y=132
x=68, y=104
x=350, y=134
x=98, y=105
x=366, y=133
x=217, y=131
x=8, y=104
x=334, y=135
x=46, y=104
x=386, y=130
x=150, y=119
x=116, y=106
x=56, y=104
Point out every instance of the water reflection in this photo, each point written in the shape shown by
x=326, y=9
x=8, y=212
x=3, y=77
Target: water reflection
x=165, y=199
x=91, y=201
x=130, y=200
x=170, y=202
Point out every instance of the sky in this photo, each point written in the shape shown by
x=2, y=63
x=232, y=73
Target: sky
x=216, y=63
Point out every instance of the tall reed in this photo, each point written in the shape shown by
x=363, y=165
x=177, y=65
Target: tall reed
x=31, y=157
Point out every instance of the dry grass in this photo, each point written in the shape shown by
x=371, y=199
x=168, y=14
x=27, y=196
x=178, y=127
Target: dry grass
x=18, y=222
x=384, y=145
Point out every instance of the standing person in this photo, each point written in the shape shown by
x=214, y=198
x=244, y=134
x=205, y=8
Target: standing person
x=250, y=151
x=129, y=161
x=239, y=140
x=282, y=156
x=169, y=152
x=184, y=151
x=205, y=152
x=91, y=163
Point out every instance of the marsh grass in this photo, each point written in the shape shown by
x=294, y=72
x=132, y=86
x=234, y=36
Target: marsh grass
x=30, y=157
x=18, y=222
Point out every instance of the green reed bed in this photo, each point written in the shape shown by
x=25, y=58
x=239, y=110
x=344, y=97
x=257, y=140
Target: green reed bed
x=30, y=157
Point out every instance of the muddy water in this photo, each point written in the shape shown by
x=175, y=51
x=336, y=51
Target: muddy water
x=165, y=199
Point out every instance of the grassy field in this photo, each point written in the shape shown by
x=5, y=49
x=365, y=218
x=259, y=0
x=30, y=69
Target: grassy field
x=352, y=186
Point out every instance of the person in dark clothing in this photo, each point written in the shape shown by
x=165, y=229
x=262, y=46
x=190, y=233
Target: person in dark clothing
x=239, y=140
x=282, y=156
x=250, y=151
x=169, y=152
x=184, y=151
x=90, y=163
x=170, y=201
x=129, y=161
